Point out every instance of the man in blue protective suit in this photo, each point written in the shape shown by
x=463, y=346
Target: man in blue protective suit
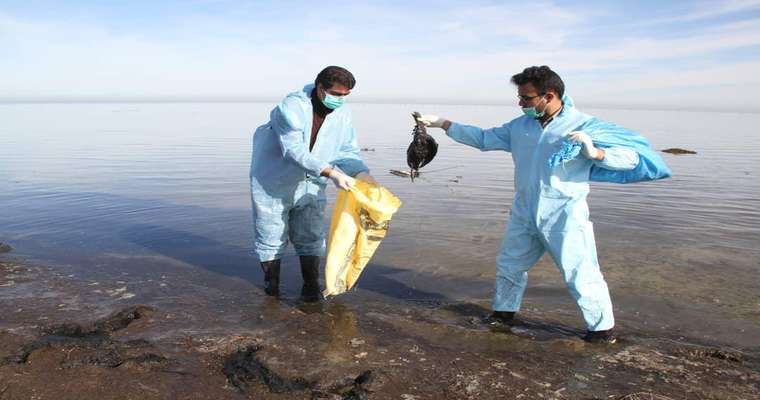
x=308, y=140
x=549, y=212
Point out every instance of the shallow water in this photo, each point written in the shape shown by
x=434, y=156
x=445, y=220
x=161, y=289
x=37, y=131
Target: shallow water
x=87, y=186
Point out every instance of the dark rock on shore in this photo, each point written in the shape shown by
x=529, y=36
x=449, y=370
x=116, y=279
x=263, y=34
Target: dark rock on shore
x=677, y=151
x=243, y=369
x=92, y=342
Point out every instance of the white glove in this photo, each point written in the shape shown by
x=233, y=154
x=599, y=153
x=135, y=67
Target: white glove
x=341, y=180
x=588, y=148
x=432, y=121
x=363, y=176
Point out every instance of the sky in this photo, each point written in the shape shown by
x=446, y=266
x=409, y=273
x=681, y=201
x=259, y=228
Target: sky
x=669, y=54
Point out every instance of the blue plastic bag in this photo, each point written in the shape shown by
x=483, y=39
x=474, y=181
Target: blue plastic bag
x=606, y=134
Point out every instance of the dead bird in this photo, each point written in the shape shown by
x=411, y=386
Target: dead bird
x=422, y=149
x=403, y=174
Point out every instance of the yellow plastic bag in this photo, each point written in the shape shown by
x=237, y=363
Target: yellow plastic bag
x=359, y=222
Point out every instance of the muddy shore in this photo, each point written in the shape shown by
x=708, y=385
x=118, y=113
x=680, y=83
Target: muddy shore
x=62, y=337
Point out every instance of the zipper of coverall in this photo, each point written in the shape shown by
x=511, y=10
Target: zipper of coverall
x=538, y=146
x=536, y=154
x=319, y=133
x=316, y=141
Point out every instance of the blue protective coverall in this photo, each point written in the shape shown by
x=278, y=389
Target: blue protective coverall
x=287, y=192
x=550, y=212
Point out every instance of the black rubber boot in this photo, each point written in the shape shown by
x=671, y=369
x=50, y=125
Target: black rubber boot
x=310, y=291
x=271, y=277
x=501, y=318
x=601, y=337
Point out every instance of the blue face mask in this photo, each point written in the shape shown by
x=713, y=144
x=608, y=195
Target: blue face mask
x=531, y=112
x=333, y=102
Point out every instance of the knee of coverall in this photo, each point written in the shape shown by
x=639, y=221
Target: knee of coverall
x=520, y=249
x=270, y=224
x=307, y=219
x=574, y=252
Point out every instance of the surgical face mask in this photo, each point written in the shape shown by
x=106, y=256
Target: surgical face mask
x=531, y=111
x=333, y=102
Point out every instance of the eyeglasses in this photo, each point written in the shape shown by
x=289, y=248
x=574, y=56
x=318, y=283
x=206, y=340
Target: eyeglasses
x=528, y=98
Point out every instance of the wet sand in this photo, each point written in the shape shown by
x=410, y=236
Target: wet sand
x=180, y=334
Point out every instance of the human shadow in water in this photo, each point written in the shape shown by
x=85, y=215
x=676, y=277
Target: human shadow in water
x=235, y=261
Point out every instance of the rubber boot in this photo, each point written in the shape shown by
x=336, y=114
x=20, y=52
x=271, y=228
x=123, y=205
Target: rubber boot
x=310, y=291
x=601, y=337
x=271, y=277
x=501, y=318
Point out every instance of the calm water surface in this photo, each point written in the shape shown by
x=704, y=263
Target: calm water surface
x=86, y=186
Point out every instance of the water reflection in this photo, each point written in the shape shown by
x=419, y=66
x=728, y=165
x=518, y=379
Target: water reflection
x=170, y=180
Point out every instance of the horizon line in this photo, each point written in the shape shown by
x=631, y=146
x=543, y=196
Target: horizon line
x=367, y=100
